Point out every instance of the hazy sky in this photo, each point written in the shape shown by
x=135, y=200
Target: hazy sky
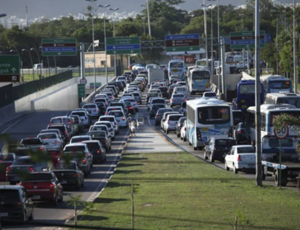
x=56, y=8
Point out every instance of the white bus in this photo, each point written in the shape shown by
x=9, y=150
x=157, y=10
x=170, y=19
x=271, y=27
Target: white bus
x=269, y=143
x=198, y=80
x=207, y=117
x=283, y=98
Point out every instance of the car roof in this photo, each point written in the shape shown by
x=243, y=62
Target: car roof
x=75, y=144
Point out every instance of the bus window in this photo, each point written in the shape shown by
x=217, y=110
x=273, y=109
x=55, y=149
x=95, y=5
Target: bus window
x=274, y=142
x=213, y=115
x=279, y=84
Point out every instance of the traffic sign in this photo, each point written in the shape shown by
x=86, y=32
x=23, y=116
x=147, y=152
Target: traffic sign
x=9, y=68
x=81, y=90
x=83, y=81
x=123, y=45
x=182, y=42
x=282, y=132
x=245, y=39
x=59, y=47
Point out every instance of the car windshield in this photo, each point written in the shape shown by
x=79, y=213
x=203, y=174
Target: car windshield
x=80, y=114
x=93, y=146
x=225, y=142
x=74, y=148
x=96, y=134
x=107, y=119
x=62, y=165
x=26, y=161
x=11, y=195
x=31, y=142
x=47, y=136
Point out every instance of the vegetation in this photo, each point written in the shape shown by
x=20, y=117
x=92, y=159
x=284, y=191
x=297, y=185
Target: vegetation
x=166, y=18
x=180, y=191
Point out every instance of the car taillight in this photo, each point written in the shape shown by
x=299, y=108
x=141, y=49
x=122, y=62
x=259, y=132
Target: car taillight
x=106, y=113
x=66, y=132
x=104, y=141
x=136, y=103
x=75, y=175
x=50, y=123
x=239, y=158
x=31, y=169
x=84, y=161
x=184, y=128
x=130, y=107
x=7, y=169
x=40, y=149
x=69, y=122
x=21, y=183
x=172, y=99
x=123, y=118
x=240, y=132
x=51, y=186
x=115, y=123
x=98, y=151
x=199, y=134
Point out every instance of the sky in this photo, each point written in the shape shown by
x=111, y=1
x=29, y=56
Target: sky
x=57, y=8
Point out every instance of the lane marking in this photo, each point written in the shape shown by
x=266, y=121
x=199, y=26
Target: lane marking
x=11, y=126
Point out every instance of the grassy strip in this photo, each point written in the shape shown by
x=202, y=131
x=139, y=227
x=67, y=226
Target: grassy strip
x=179, y=191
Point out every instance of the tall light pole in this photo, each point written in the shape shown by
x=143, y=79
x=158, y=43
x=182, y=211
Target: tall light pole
x=211, y=40
x=114, y=34
x=40, y=63
x=295, y=49
x=205, y=29
x=30, y=57
x=93, y=39
x=105, y=6
x=148, y=13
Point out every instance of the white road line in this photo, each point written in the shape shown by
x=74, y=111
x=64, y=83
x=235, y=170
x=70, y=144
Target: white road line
x=11, y=126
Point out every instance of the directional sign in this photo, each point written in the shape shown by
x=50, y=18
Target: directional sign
x=245, y=39
x=9, y=68
x=282, y=132
x=59, y=47
x=81, y=90
x=123, y=45
x=182, y=42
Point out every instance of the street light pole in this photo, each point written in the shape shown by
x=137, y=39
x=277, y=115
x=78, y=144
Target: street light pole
x=295, y=49
x=114, y=34
x=148, y=13
x=105, y=6
x=93, y=40
x=205, y=29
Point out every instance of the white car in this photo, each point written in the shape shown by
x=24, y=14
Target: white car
x=93, y=109
x=183, y=132
x=109, y=126
x=240, y=158
x=80, y=138
x=171, y=122
x=112, y=120
x=120, y=117
x=84, y=117
x=138, y=67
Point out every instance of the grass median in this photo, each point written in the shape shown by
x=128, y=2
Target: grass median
x=179, y=191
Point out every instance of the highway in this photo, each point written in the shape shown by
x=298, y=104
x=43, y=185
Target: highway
x=32, y=123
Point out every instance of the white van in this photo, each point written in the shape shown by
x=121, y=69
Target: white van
x=38, y=66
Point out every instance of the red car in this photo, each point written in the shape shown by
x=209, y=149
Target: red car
x=43, y=186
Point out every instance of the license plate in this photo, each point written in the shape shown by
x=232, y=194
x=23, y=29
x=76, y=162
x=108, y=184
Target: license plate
x=36, y=197
x=4, y=214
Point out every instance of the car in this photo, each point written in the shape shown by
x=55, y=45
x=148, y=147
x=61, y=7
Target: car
x=155, y=108
x=155, y=100
x=183, y=132
x=122, y=104
x=81, y=154
x=80, y=138
x=238, y=116
x=182, y=109
x=164, y=91
x=240, y=133
x=120, y=117
x=15, y=203
x=22, y=166
x=20, y=151
x=133, y=102
x=179, y=125
x=181, y=90
x=102, y=98
x=84, y=116
x=130, y=108
x=43, y=186
x=98, y=151
x=68, y=174
x=93, y=109
x=63, y=130
x=112, y=108
x=57, y=131
x=171, y=122
x=159, y=114
x=6, y=159
x=152, y=94
x=63, y=120
x=210, y=94
x=101, y=128
x=164, y=116
x=36, y=144
x=176, y=100
x=137, y=96
x=102, y=137
x=241, y=158
x=52, y=140
x=217, y=148
x=109, y=126
x=112, y=120
x=101, y=105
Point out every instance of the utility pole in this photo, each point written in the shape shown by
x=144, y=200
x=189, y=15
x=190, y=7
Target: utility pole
x=257, y=98
x=295, y=49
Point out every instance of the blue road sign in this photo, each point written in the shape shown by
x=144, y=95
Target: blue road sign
x=246, y=42
x=182, y=36
x=58, y=49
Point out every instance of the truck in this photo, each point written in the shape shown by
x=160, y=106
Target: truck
x=155, y=75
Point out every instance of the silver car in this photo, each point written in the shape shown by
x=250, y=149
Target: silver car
x=109, y=126
x=120, y=117
x=171, y=122
x=84, y=116
x=52, y=140
x=112, y=120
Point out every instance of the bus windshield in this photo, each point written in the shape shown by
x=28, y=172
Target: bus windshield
x=200, y=75
x=245, y=89
x=291, y=101
x=213, y=115
x=280, y=84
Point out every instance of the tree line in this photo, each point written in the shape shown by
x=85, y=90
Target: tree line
x=166, y=18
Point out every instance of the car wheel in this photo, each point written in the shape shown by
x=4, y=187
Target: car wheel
x=167, y=131
x=184, y=139
x=190, y=143
x=31, y=217
x=204, y=156
x=226, y=167
x=181, y=137
x=178, y=135
x=195, y=148
x=78, y=186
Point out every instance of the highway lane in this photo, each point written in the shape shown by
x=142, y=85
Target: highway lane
x=30, y=125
